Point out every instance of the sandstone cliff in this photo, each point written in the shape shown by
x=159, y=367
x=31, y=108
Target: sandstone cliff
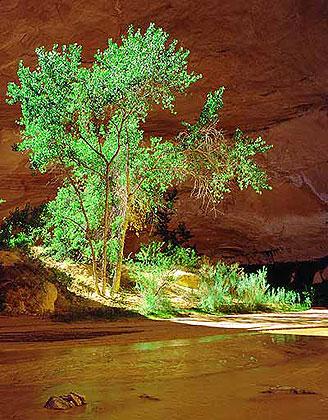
x=272, y=58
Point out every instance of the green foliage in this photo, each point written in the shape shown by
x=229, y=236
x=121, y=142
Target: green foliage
x=167, y=256
x=218, y=286
x=153, y=254
x=85, y=122
x=65, y=105
x=181, y=257
x=150, y=285
x=64, y=232
x=283, y=296
x=210, y=109
x=152, y=270
x=21, y=228
x=229, y=289
x=219, y=165
x=224, y=288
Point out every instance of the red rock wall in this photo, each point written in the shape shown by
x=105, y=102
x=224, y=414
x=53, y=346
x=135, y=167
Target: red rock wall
x=272, y=58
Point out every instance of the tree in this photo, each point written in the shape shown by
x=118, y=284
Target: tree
x=85, y=123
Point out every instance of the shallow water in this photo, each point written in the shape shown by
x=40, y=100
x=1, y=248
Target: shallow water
x=211, y=377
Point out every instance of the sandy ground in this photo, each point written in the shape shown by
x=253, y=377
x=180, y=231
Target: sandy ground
x=298, y=322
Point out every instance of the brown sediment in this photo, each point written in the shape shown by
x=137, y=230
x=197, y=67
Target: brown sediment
x=190, y=371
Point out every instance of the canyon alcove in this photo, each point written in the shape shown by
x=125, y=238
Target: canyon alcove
x=273, y=62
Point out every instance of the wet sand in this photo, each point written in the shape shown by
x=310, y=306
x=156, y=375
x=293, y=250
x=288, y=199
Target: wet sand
x=195, y=372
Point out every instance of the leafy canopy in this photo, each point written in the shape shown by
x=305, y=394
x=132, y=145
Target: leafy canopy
x=68, y=108
x=85, y=122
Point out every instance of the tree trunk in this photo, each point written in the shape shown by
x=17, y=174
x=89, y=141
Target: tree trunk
x=118, y=268
x=94, y=271
x=95, y=278
x=88, y=232
x=105, y=237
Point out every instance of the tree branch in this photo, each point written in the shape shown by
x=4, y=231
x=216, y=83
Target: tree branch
x=75, y=222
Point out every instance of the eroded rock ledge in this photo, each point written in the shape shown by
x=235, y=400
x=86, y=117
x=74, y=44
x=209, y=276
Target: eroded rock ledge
x=274, y=65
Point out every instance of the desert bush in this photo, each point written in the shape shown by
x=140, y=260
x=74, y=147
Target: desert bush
x=152, y=254
x=181, y=257
x=228, y=288
x=167, y=256
x=252, y=289
x=214, y=290
x=152, y=270
x=150, y=285
x=21, y=228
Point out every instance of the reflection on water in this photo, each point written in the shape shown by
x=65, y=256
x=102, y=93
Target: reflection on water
x=155, y=345
x=221, y=337
x=217, y=377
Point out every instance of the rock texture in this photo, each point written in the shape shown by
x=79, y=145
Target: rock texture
x=274, y=64
x=64, y=402
x=29, y=287
x=24, y=288
x=183, y=278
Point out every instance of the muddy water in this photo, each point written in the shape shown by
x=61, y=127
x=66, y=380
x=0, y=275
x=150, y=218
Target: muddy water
x=202, y=377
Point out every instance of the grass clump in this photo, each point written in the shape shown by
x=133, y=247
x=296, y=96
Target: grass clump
x=152, y=270
x=227, y=288
x=223, y=288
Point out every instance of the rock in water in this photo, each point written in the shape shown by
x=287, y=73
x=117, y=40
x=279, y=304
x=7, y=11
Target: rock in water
x=287, y=390
x=56, y=403
x=63, y=402
x=149, y=397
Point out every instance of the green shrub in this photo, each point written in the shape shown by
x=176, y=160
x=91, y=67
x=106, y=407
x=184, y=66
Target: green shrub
x=153, y=255
x=151, y=288
x=150, y=283
x=225, y=288
x=214, y=289
x=181, y=257
x=152, y=270
x=228, y=288
x=21, y=228
x=252, y=289
x=167, y=256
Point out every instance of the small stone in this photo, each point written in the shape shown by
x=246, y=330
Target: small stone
x=287, y=390
x=64, y=402
x=149, y=397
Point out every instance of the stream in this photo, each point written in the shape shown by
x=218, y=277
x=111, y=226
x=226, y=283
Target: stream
x=201, y=377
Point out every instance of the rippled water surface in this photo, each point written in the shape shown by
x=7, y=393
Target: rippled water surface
x=212, y=377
